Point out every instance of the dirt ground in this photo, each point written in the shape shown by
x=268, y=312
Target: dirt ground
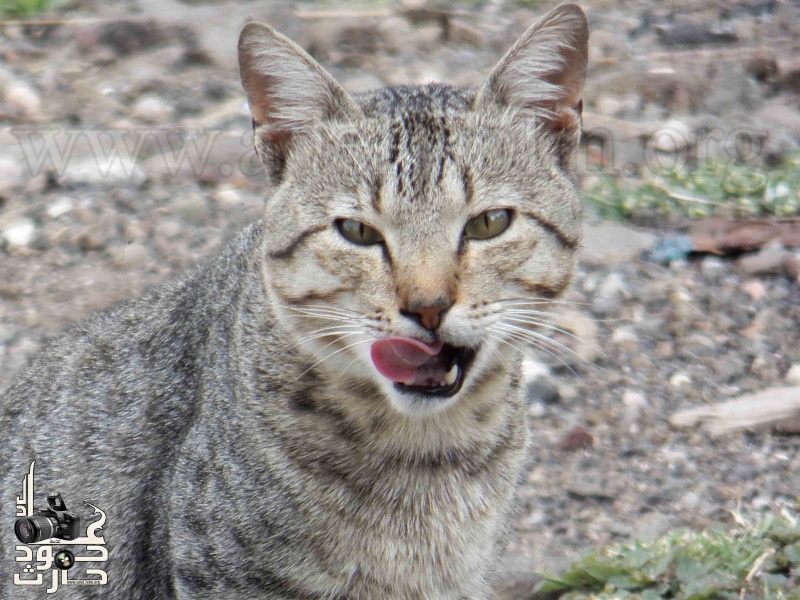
x=86, y=229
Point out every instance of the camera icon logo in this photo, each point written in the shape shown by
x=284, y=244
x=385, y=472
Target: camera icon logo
x=45, y=523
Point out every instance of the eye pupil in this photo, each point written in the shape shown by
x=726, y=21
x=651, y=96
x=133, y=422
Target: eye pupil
x=488, y=224
x=358, y=233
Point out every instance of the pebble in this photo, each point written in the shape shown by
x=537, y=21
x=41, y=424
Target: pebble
x=713, y=267
x=753, y=288
x=98, y=171
x=651, y=525
x=793, y=374
x=769, y=260
x=19, y=233
x=60, y=206
x=576, y=438
x=674, y=136
x=131, y=256
x=584, y=344
x=635, y=404
x=23, y=100
x=594, y=491
x=91, y=240
x=625, y=338
x=728, y=368
x=12, y=173
x=153, y=109
x=608, y=244
x=611, y=291
x=193, y=209
x=679, y=380
x=462, y=33
x=544, y=389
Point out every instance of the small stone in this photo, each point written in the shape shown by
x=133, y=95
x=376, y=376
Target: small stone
x=665, y=350
x=610, y=292
x=713, y=266
x=679, y=380
x=193, y=209
x=769, y=260
x=635, y=404
x=576, y=439
x=728, y=368
x=361, y=82
x=584, y=489
x=12, y=173
x=793, y=374
x=91, y=240
x=23, y=100
x=651, y=525
x=460, y=32
x=60, y=206
x=625, y=338
x=674, y=136
x=19, y=233
x=543, y=389
x=133, y=231
x=608, y=244
x=607, y=105
x=153, y=109
x=109, y=171
x=131, y=256
x=641, y=362
x=754, y=288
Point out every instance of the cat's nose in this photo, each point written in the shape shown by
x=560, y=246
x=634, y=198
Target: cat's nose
x=427, y=316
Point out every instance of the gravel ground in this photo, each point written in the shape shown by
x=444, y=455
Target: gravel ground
x=649, y=339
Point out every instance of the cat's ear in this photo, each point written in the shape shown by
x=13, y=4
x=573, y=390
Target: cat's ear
x=288, y=92
x=542, y=75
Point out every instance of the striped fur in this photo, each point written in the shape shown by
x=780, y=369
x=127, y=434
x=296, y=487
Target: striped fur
x=231, y=422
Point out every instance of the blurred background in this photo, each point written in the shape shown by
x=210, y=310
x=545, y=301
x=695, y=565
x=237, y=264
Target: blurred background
x=126, y=156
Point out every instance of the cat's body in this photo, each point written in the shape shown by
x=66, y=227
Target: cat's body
x=247, y=428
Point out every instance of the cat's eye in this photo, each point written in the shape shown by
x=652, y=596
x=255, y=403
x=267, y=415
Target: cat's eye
x=358, y=233
x=488, y=224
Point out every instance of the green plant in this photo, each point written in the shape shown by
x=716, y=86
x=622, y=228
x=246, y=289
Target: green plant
x=755, y=559
x=23, y=8
x=714, y=188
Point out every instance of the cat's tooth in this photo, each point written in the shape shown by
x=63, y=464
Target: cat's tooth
x=452, y=374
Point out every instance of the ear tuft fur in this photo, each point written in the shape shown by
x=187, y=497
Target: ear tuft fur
x=288, y=93
x=543, y=72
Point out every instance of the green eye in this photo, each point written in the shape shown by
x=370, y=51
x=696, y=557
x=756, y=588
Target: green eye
x=358, y=233
x=488, y=224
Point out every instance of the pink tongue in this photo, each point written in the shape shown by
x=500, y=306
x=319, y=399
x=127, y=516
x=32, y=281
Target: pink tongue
x=397, y=358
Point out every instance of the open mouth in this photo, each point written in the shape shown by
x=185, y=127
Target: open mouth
x=416, y=367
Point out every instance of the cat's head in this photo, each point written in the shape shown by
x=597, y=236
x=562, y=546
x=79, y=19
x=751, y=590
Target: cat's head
x=418, y=235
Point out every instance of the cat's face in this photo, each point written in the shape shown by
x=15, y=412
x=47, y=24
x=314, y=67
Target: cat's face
x=418, y=237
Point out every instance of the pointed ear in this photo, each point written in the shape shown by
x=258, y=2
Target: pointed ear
x=543, y=72
x=289, y=93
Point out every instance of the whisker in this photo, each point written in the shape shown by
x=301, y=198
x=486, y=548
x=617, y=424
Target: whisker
x=539, y=339
x=558, y=329
x=319, y=362
x=332, y=342
x=538, y=344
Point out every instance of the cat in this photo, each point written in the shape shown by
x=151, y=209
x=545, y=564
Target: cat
x=332, y=407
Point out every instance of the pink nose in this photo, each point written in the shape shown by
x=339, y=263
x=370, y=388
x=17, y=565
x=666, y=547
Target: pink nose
x=428, y=316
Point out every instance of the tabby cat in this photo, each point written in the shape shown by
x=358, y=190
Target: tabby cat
x=331, y=408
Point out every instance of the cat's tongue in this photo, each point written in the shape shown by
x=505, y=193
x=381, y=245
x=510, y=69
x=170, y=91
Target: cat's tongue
x=398, y=358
